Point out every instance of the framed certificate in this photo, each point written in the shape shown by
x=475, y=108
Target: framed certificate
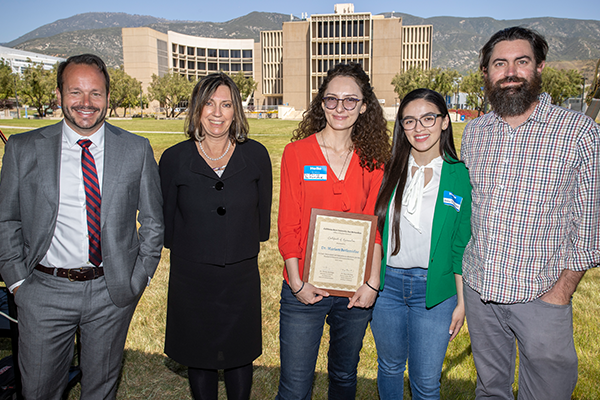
x=339, y=251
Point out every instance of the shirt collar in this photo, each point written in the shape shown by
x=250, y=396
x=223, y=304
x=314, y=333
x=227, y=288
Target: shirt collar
x=71, y=137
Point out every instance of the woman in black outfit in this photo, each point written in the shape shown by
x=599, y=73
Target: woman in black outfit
x=217, y=189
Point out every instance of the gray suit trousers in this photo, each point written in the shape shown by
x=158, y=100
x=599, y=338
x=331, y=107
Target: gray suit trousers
x=50, y=310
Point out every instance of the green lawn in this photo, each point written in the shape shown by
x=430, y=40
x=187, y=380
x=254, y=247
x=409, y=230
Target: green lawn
x=148, y=374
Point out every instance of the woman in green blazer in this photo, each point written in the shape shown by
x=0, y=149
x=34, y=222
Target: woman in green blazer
x=424, y=209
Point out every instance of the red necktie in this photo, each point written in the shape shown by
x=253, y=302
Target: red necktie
x=92, y=200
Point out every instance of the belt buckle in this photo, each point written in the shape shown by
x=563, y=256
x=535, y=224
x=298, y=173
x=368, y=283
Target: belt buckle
x=80, y=270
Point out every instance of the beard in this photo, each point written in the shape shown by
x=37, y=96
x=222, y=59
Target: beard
x=83, y=126
x=513, y=100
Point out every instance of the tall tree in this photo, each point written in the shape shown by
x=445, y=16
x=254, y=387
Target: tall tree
x=246, y=85
x=561, y=84
x=472, y=85
x=445, y=81
x=7, y=84
x=406, y=82
x=170, y=90
x=124, y=90
x=38, y=87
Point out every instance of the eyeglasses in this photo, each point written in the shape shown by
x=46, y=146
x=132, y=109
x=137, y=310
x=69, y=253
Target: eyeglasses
x=349, y=103
x=427, y=121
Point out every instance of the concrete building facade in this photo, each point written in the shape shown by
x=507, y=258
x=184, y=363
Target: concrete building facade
x=19, y=60
x=289, y=64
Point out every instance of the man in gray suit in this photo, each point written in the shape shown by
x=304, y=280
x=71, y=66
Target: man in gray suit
x=70, y=249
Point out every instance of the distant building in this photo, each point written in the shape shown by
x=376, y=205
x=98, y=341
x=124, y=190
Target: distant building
x=19, y=60
x=288, y=64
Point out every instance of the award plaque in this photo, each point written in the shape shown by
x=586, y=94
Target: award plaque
x=339, y=251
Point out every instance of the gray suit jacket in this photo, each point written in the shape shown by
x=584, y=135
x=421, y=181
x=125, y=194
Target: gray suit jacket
x=29, y=185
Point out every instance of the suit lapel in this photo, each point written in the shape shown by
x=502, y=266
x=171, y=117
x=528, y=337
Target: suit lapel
x=114, y=158
x=48, y=148
x=441, y=211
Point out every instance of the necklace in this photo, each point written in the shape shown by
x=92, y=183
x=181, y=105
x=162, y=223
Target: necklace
x=329, y=162
x=218, y=158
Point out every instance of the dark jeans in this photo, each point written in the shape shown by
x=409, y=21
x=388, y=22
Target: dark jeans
x=301, y=329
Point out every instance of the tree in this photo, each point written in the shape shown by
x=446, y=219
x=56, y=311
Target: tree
x=561, y=84
x=170, y=90
x=124, y=90
x=246, y=85
x=438, y=79
x=472, y=84
x=7, y=85
x=38, y=87
x=445, y=81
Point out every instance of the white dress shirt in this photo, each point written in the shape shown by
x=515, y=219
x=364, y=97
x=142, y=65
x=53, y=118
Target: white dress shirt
x=70, y=243
x=415, y=239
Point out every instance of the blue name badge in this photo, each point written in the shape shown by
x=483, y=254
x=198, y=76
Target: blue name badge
x=315, y=172
x=452, y=200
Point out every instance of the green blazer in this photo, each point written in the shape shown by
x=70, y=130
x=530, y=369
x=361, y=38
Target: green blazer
x=450, y=234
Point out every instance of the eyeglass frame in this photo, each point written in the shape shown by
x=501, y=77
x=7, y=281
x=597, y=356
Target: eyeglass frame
x=419, y=120
x=354, y=100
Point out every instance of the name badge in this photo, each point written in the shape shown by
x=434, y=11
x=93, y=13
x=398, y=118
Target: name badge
x=315, y=172
x=452, y=200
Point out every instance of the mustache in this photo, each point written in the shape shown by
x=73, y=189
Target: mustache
x=511, y=79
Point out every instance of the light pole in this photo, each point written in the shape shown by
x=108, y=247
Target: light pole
x=17, y=98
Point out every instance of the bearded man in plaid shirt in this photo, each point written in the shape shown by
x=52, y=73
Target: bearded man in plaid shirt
x=535, y=170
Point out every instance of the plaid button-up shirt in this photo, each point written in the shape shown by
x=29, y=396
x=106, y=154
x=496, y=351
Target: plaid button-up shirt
x=536, y=201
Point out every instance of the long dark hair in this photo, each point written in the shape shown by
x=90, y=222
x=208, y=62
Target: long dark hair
x=396, y=170
x=369, y=133
x=238, y=131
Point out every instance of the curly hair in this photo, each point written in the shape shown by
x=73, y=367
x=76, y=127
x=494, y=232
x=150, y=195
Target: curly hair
x=370, y=135
x=238, y=131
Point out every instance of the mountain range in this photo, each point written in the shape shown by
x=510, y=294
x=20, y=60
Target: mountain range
x=456, y=41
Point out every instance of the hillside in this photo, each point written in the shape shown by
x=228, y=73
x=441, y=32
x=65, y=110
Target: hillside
x=456, y=41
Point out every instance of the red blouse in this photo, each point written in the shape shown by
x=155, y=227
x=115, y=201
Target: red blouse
x=357, y=193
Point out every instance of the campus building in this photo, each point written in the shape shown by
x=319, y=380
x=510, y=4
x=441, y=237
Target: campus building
x=19, y=60
x=288, y=64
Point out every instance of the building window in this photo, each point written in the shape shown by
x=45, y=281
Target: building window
x=191, y=51
x=330, y=49
x=174, y=45
x=349, y=50
x=212, y=67
x=191, y=65
x=361, y=48
x=337, y=48
x=182, y=64
x=202, y=66
x=236, y=67
x=337, y=28
x=174, y=63
x=361, y=28
x=247, y=54
x=212, y=53
x=224, y=53
x=324, y=49
x=200, y=52
x=247, y=67
x=354, y=48
x=236, y=53
x=181, y=49
x=343, y=28
x=354, y=28
x=224, y=67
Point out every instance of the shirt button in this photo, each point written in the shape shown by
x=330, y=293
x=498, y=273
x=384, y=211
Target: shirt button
x=221, y=210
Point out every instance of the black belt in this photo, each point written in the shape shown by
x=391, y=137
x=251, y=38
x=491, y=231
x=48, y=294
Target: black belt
x=75, y=274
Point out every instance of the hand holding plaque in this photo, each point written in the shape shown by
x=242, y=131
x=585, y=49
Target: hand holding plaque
x=339, y=251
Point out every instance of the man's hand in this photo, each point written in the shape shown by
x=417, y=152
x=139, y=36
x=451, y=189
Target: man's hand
x=563, y=289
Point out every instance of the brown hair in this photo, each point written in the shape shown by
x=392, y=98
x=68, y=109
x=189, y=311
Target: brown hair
x=369, y=134
x=201, y=95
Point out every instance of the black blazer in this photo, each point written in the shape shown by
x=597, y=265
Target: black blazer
x=216, y=220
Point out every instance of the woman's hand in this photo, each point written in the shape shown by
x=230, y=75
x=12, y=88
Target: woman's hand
x=364, y=297
x=458, y=319
x=308, y=294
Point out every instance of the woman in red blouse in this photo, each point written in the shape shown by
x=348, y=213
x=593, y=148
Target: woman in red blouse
x=343, y=142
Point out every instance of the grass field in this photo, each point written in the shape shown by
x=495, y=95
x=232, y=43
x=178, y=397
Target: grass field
x=149, y=374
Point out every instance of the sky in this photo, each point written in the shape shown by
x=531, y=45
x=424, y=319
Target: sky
x=19, y=18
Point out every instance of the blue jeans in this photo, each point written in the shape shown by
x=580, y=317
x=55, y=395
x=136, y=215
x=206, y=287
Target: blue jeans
x=403, y=329
x=300, y=332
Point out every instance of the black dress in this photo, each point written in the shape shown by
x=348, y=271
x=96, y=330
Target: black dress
x=214, y=227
